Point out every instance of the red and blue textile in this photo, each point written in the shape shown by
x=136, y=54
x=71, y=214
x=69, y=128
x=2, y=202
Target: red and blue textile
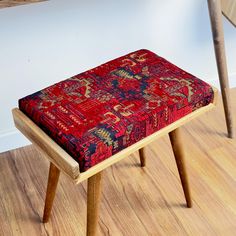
x=97, y=113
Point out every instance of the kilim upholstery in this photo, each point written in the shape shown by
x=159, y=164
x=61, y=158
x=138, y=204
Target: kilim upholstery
x=100, y=112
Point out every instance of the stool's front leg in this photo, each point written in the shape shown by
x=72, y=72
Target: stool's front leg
x=53, y=178
x=93, y=200
x=175, y=140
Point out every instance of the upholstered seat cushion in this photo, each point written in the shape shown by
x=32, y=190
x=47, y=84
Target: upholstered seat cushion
x=97, y=113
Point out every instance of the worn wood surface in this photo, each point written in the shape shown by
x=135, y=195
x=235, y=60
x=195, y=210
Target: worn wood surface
x=135, y=201
x=229, y=10
x=214, y=7
x=12, y=3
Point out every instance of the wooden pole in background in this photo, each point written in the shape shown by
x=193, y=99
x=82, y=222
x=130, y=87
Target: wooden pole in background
x=214, y=7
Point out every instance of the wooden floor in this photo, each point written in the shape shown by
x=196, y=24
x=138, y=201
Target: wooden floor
x=12, y=3
x=135, y=201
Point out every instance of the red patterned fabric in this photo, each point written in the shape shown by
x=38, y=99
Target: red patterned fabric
x=96, y=114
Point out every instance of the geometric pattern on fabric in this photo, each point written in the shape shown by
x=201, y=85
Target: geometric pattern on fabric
x=98, y=113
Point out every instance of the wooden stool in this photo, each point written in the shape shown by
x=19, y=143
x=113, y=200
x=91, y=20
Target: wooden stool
x=95, y=119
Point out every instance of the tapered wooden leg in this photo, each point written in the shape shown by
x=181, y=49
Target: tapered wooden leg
x=93, y=200
x=53, y=177
x=175, y=140
x=214, y=7
x=142, y=157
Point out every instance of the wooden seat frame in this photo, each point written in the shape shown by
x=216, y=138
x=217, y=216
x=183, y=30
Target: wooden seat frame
x=60, y=160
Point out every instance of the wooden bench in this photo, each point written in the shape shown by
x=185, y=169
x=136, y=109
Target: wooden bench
x=164, y=97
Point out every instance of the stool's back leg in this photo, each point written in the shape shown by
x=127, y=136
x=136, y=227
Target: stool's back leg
x=142, y=157
x=53, y=177
x=175, y=140
x=93, y=200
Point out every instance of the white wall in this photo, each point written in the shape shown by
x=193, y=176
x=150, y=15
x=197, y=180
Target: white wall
x=43, y=43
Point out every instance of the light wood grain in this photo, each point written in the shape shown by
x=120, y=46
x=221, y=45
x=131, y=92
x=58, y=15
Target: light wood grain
x=229, y=10
x=135, y=201
x=13, y=3
x=214, y=7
